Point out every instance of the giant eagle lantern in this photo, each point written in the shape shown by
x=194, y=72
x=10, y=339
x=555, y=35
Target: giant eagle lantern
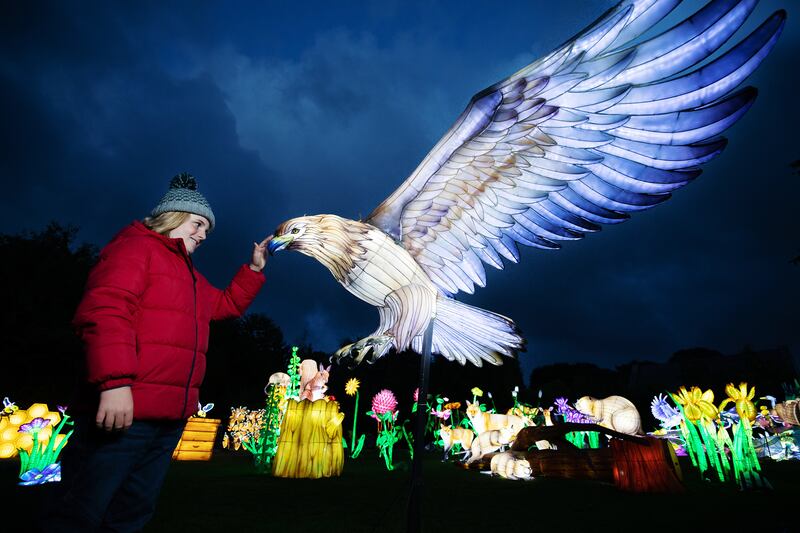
x=603, y=126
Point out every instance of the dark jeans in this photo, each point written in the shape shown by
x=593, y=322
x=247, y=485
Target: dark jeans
x=111, y=481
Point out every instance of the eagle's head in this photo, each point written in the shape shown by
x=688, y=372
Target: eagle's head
x=294, y=234
x=331, y=240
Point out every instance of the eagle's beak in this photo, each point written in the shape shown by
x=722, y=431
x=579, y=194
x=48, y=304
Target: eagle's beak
x=276, y=244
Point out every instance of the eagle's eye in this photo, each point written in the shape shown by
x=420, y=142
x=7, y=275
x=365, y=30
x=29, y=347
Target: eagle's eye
x=295, y=230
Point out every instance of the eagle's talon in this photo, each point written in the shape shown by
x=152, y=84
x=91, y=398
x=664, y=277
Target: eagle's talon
x=381, y=346
x=355, y=353
x=342, y=354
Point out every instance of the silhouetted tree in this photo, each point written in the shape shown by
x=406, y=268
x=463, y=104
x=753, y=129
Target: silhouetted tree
x=573, y=381
x=689, y=356
x=42, y=276
x=242, y=354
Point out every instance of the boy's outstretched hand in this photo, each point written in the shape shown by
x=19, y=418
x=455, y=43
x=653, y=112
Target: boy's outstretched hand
x=259, y=260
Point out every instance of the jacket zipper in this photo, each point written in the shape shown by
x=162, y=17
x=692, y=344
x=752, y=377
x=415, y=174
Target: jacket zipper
x=194, y=352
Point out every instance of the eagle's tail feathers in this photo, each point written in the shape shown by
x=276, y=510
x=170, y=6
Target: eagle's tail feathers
x=465, y=333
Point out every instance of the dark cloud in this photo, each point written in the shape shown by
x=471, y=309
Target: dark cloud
x=292, y=109
x=96, y=128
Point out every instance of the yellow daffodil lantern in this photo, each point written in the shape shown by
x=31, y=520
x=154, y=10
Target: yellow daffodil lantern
x=742, y=399
x=697, y=404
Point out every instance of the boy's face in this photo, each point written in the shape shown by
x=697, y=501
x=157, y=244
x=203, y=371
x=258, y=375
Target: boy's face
x=192, y=231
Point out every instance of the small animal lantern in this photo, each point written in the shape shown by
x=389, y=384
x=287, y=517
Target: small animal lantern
x=451, y=435
x=490, y=441
x=483, y=422
x=280, y=379
x=313, y=382
x=511, y=465
x=614, y=412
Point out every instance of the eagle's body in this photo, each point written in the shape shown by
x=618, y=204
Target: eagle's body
x=377, y=270
x=608, y=124
x=382, y=268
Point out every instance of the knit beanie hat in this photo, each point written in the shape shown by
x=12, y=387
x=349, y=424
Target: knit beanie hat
x=183, y=196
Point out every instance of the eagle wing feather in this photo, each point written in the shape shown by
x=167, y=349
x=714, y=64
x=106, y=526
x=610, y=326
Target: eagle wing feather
x=600, y=128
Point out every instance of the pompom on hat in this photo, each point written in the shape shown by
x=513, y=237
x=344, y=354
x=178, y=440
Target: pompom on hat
x=183, y=196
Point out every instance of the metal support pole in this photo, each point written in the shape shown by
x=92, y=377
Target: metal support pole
x=414, y=524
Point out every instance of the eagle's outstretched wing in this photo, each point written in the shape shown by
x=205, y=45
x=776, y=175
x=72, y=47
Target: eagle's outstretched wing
x=599, y=128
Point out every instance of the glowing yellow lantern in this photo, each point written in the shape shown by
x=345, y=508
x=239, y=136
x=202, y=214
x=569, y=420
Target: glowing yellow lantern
x=53, y=417
x=24, y=441
x=197, y=440
x=18, y=418
x=10, y=433
x=310, y=442
x=37, y=410
x=11, y=438
x=7, y=450
x=44, y=434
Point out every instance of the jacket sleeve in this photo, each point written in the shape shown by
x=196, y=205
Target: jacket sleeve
x=237, y=297
x=105, y=317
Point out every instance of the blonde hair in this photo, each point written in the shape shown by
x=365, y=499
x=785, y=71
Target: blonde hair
x=166, y=222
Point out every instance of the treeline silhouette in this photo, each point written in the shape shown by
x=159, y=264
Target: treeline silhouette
x=43, y=275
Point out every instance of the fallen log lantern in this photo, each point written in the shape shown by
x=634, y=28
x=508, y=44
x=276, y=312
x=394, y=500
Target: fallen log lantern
x=639, y=464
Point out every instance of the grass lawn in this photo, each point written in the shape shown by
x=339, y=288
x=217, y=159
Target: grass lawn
x=226, y=494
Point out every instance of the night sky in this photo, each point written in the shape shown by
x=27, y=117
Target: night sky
x=309, y=107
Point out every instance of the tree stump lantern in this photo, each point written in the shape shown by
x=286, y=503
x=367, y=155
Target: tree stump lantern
x=310, y=443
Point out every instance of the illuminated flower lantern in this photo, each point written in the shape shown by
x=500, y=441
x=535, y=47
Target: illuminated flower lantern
x=708, y=443
x=244, y=426
x=12, y=418
x=31, y=434
x=742, y=399
x=743, y=454
x=384, y=402
x=384, y=411
x=310, y=443
x=351, y=389
x=697, y=404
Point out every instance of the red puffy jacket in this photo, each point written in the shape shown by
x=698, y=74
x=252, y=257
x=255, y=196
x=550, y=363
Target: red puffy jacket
x=144, y=319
